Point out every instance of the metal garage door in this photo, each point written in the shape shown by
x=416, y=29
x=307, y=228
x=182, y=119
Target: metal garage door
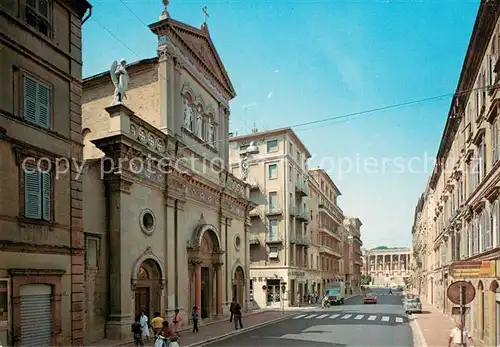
x=36, y=315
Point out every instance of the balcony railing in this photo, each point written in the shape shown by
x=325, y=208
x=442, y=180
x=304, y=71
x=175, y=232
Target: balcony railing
x=302, y=188
x=301, y=239
x=302, y=215
x=272, y=237
x=273, y=210
x=330, y=251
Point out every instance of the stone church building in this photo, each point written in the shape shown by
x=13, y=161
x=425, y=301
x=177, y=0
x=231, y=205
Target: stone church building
x=165, y=221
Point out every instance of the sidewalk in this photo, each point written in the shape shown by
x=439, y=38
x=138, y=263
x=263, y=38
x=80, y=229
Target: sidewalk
x=431, y=327
x=214, y=331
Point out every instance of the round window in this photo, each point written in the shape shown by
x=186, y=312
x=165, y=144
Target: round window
x=237, y=242
x=148, y=221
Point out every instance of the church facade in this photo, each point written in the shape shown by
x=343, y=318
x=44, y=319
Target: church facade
x=165, y=221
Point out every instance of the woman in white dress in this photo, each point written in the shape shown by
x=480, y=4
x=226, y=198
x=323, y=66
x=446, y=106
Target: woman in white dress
x=145, y=326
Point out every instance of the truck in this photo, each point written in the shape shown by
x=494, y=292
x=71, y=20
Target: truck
x=335, y=292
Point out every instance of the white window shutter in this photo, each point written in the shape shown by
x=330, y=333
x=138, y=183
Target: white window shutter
x=43, y=99
x=32, y=194
x=46, y=195
x=30, y=99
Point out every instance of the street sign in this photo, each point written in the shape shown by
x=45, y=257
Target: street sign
x=453, y=292
x=456, y=310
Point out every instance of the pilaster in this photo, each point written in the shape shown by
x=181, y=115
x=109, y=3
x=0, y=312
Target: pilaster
x=164, y=77
x=120, y=317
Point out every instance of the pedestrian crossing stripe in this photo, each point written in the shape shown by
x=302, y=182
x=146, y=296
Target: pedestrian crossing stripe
x=385, y=319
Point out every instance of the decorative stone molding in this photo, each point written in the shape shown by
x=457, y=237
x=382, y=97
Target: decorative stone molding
x=148, y=254
x=119, y=184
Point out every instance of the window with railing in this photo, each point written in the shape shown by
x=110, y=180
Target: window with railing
x=487, y=236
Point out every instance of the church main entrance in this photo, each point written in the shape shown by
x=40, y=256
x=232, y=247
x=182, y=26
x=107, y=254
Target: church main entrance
x=206, y=271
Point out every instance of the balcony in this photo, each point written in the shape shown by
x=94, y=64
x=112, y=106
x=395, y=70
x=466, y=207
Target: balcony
x=292, y=210
x=255, y=213
x=302, y=215
x=301, y=188
x=330, y=251
x=254, y=186
x=272, y=238
x=253, y=240
x=327, y=230
x=301, y=239
x=273, y=210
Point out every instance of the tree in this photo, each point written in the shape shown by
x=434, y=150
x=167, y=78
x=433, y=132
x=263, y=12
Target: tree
x=365, y=279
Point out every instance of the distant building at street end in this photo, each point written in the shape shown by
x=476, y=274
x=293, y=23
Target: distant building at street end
x=388, y=266
x=456, y=229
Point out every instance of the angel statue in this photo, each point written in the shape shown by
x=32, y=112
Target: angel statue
x=120, y=79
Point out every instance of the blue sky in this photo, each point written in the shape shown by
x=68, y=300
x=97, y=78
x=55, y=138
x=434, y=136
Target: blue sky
x=297, y=61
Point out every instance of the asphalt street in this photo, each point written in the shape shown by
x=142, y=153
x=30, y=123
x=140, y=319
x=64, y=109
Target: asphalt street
x=352, y=324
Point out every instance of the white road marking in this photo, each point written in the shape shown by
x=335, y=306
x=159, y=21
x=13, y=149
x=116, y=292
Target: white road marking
x=299, y=316
x=311, y=316
x=359, y=316
x=399, y=320
x=385, y=319
x=372, y=317
x=347, y=316
x=333, y=316
x=322, y=316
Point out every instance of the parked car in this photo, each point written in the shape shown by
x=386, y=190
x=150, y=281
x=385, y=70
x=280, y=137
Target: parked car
x=369, y=298
x=413, y=305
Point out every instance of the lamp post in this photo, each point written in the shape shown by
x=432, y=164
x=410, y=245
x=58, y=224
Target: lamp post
x=283, y=290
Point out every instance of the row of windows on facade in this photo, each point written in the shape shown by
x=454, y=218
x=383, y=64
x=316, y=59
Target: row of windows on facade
x=272, y=147
x=479, y=235
x=477, y=170
x=274, y=205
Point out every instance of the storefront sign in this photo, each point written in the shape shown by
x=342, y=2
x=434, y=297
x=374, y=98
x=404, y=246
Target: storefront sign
x=297, y=273
x=472, y=269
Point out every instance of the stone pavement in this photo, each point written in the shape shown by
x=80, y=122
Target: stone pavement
x=213, y=331
x=432, y=327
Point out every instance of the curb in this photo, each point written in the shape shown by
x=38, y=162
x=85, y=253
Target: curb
x=418, y=337
x=241, y=331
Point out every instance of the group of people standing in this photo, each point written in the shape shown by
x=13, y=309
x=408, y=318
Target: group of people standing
x=167, y=333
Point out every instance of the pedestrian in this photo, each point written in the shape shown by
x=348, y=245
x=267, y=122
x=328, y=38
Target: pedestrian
x=144, y=325
x=298, y=299
x=176, y=322
x=163, y=337
x=157, y=323
x=194, y=314
x=231, y=309
x=455, y=338
x=237, y=316
x=137, y=332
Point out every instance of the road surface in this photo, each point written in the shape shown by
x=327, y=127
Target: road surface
x=352, y=324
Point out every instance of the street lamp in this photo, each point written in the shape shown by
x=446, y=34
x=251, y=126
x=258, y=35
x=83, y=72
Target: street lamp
x=283, y=290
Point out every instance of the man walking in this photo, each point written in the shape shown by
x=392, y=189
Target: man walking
x=237, y=315
x=455, y=338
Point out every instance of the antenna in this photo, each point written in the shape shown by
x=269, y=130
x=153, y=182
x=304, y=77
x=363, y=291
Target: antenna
x=254, y=130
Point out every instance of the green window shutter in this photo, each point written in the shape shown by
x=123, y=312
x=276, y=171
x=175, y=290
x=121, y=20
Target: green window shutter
x=30, y=96
x=46, y=195
x=32, y=194
x=43, y=105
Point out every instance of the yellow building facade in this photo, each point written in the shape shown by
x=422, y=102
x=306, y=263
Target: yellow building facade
x=456, y=231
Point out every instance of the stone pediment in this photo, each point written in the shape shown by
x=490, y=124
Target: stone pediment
x=198, y=46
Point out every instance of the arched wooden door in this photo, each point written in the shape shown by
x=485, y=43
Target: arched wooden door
x=239, y=285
